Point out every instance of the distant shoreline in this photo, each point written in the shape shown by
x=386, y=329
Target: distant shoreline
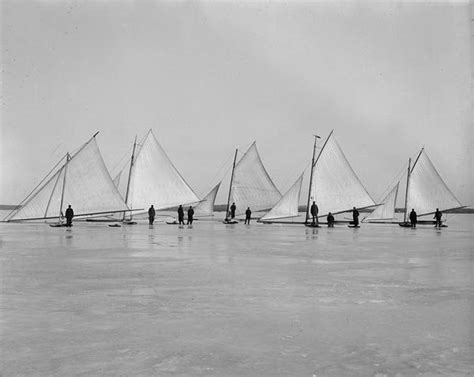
x=222, y=208
x=5, y=207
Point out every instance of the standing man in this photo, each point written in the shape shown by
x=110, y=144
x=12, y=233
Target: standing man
x=151, y=215
x=437, y=216
x=181, y=215
x=232, y=210
x=248, y=212
x=190, y=215
x=69, y=216
x=314, y=213
x=413, y=218
x=355, y=216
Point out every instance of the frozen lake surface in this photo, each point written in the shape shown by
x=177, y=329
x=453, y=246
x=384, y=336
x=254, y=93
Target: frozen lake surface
x=236, y=300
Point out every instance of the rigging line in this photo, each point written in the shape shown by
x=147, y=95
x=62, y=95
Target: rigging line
x=392, y=183
x=122, y=162
x=290, y=182
x=227, y=167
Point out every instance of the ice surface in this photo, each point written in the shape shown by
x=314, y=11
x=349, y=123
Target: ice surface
x=236, y=300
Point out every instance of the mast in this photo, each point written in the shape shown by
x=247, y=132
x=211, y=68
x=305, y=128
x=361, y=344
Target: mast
x=68, y=158
x=406, y=191
x=130, y=175
x=230, y=187
x=51, y=196
x=316, y=137
x=417, y=158
x=408, y=181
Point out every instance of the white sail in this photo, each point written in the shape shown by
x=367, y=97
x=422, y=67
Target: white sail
x=335, y=186
x=155, y=180
x=385, y=211
x=206, y=206
x=252, y=186
x=427, y=190
x=83, y=182
x=287, y=206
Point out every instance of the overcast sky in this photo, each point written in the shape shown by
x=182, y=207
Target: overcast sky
x=208, y=77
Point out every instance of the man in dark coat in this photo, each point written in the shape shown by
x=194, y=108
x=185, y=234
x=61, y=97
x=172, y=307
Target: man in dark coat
x=232, y=210
x=355, y=216
x=69, y=216
x=437, y=216
x=190, y=215
x=314, y=212
x=330, y=220
x=181, y=215
x=151, y=215
x=413, y=218
x=248, y=212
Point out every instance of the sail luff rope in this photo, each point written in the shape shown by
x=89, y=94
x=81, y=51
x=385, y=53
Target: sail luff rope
x=64, y=186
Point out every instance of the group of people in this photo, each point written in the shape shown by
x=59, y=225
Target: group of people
x=231, y=214
x=314, y=210
x=437, y=217
x=152, y=213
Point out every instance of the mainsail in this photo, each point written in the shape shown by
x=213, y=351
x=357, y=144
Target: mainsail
x=155, y=180
x=385, y=211
x=427, y=190
x=82, y=180
x=287, y=206
x=252, y=186
x=206, y=206
x=335, y=186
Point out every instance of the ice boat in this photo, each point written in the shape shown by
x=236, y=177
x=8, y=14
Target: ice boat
x=426, y=190
x=250, y=184
x=153, y=179
x=81, y=180
x=334, y=185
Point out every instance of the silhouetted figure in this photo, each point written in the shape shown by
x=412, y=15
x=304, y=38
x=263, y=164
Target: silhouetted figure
x=248, y=212
x=190, y=215
x=314, y=212
x=413, y=218
x=232, y=210
x=355, y=216
x=151, y=215
x=69, y=216
x=330, y=220
x=437, y=216
x=180, y=215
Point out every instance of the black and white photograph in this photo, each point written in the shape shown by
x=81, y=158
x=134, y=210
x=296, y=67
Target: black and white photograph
x=236, y=188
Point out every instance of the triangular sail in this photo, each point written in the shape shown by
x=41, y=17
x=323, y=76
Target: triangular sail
x=88, y=187
x=427, y=190
x=386, y=211
x=155, y=180
x=252, y=186
x=335, y=186
x=287, y=206
x=206, y=206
